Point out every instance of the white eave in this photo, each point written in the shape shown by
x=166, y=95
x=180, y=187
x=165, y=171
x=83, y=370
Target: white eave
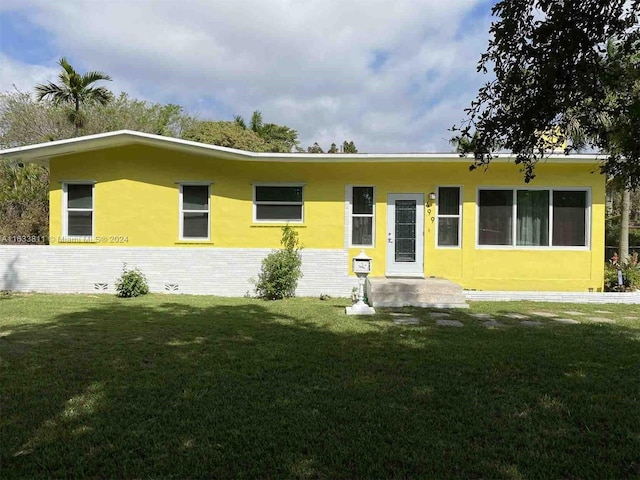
x=41, y=153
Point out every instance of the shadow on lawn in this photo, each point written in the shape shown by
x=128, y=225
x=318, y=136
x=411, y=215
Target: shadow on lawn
x=245, y=390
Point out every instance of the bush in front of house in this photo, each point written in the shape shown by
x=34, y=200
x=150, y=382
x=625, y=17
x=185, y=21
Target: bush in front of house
x=132, y=283
x=630, y=274
x=281, y=269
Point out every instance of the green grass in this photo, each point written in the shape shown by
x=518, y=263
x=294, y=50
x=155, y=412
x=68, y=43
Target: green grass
x=205, y=387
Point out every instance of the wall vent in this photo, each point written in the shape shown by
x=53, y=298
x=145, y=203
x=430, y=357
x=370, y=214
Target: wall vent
x=171, y=287
x=101, y=286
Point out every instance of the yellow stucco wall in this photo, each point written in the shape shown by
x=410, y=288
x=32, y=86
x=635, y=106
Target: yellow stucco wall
x=136, y=197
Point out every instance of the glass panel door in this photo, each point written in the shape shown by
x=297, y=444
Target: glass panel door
x=405, y=235
x=405, y=249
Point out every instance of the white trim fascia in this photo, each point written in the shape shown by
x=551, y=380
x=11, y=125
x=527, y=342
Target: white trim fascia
x=42, y=152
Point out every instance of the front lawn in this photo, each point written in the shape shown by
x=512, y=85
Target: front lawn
x=203, y=387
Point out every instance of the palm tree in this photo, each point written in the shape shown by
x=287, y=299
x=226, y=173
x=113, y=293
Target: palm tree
x=256, y=121
x=75, y=89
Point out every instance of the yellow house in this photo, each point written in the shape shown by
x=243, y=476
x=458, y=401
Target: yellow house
x=199, y=218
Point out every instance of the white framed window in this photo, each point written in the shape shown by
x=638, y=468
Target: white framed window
x=278, y=203
x=534, y=217
x=449, y=225
x=78, y=209
x=195, y=211
x=495, y=217
x=362, y=216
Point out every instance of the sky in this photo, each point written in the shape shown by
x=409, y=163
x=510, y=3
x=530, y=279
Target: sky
x=391, y=75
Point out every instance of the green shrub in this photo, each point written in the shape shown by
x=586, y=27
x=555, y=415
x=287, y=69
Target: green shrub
x=630, y=275
x=132, y=283
x=281, y=269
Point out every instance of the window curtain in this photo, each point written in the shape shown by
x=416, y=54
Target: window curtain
x=532, y=227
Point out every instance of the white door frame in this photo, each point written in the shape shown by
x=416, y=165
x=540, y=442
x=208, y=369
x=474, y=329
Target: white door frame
x=410, y=268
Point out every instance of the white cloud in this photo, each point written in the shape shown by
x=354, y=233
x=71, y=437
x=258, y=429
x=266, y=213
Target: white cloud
x=309, y=65
x=16, y=74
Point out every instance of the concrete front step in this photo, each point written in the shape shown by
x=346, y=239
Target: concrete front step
x=415, y=292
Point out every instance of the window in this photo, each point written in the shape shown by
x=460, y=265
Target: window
x=78, y=209
x=278, y=203
x=570, y=218
x=495, y=217
x=362, y=216
x=194, y=212
x=449, y=213
x=533, y=218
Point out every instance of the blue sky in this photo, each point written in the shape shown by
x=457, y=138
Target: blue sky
x=392, y=76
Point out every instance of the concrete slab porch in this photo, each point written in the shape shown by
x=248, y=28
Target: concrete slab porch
x=414, y=292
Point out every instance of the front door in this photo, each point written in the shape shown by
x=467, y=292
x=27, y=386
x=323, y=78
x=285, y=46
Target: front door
x=405, y=235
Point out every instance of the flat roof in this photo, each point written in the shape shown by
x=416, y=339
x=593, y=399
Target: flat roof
x=41, y=153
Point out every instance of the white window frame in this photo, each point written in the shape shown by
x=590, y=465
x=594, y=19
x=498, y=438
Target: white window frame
x=66, y=210
x=371, y=215
x=254, y=186
x=182, y=212
x=459, y=217
x=514, y=216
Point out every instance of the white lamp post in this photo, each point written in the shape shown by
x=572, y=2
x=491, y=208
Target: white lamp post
x=362, y=268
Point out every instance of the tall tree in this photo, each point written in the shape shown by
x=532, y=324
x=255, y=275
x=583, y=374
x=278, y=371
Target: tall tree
x=315, y=148
x=129, y=113
x=624, y=88
x=624, y=225
x=349, y=147
x=24, y=206
x=24, y=121
x=240, y=122
x=278, y=138
x=226, y=134
x=256, y=121
x=623, y=77
x=551, y=67
x=75, y=89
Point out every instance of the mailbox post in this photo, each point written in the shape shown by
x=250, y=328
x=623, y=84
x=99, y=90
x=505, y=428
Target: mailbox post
x=362, y=268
